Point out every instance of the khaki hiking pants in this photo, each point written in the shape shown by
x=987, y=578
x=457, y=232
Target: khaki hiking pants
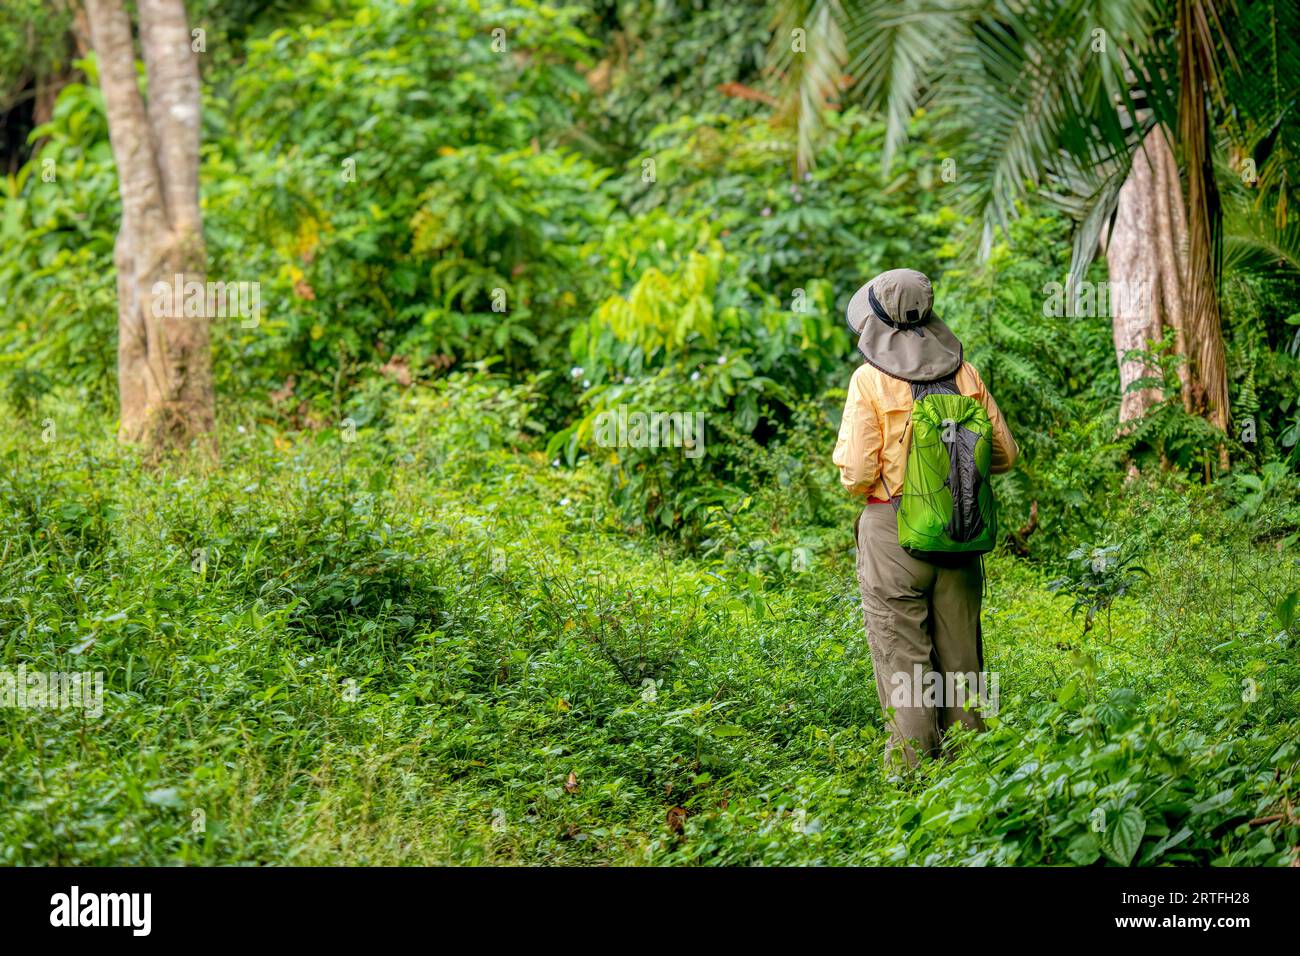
x=923, y=624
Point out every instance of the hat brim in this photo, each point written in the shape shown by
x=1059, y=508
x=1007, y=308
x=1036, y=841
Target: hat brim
x=925, y=353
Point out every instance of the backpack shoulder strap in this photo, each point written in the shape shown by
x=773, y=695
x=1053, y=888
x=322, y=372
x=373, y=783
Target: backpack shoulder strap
x=940, y=386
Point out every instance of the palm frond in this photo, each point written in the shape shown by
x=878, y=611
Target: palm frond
x=808, y=49
x=1253, y=241
x=898, y=46
x=1262, y=123
x=1041, y=92
x=1089, y=196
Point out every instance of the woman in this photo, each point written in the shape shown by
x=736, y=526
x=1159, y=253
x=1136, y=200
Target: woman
x=922, y=618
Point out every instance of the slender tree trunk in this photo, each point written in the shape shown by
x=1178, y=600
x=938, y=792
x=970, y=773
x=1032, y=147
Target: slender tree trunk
x=164, y=354
x=1205, y=352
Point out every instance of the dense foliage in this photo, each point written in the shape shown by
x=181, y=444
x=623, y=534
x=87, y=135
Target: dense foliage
x=421, y=611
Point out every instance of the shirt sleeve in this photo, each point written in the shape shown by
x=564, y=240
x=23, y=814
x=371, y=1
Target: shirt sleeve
x=857, y=451
x=1005, y=450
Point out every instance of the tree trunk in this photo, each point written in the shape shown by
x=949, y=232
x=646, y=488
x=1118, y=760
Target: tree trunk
x=164, y=355
x=1205, y=351
x=1135, y=276
x=1146, y=260
x=1147, y=253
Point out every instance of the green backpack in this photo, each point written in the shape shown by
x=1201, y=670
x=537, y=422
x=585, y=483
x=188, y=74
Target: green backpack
x=946, y=511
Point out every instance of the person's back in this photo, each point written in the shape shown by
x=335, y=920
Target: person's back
x=922, y=618
x=876, y=430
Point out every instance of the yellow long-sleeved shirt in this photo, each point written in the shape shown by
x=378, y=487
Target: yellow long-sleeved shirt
x=871, y=452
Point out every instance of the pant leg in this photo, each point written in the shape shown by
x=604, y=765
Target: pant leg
x=896, y=610
x=955, y=606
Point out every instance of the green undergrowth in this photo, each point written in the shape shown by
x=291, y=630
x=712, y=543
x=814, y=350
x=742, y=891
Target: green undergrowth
x=421, y=647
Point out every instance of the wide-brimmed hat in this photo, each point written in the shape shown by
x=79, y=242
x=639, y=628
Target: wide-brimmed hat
x=898, y=331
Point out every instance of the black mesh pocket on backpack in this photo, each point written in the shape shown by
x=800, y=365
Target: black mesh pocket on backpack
x=964, y=482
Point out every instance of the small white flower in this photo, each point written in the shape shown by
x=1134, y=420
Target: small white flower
x=695, y=376
x=586, y=383
x=556, y=463
x=576, y=371
x=627, y=379
x=564, y=502
x=722, y=360
x=240, y=429
x=767, y=210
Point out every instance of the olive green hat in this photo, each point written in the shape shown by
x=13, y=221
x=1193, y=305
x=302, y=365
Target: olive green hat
x=897, y=330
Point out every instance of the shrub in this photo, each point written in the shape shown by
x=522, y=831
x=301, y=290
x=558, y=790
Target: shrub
x=690, y=337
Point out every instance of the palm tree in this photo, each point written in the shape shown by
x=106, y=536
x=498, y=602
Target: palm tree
x=1090, y=102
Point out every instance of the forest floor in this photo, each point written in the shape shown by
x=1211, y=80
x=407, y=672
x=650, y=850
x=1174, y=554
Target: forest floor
x=322, y=652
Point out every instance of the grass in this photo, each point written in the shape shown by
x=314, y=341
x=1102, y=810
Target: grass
x=401, y=651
